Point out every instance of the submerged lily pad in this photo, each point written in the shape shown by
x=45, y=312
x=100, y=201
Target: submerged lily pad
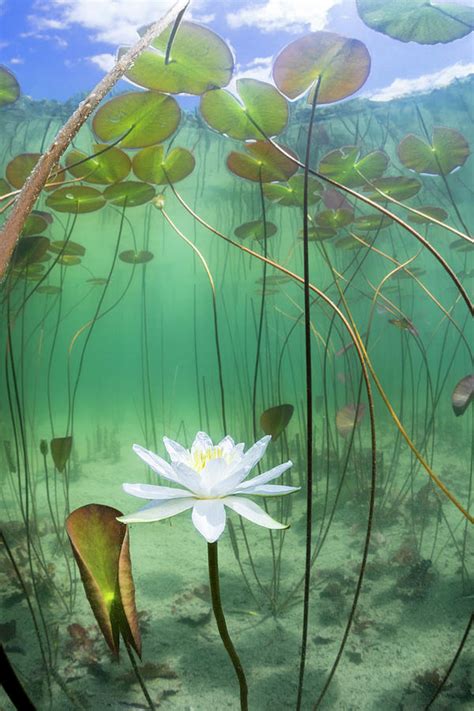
x=105, y=169
x=153, y=166
x=347, y=167
x=69, y=260
x=29, y=250
x=4, y=187
x=461, y=245
x=76, y=199
x=101, y=549
x=152, y=117
x=291, y=193
x=97, y=281
x=342, y=64
x=348, y=417
x=429, y=212
x=129, y=193
x=200, y=60
x=274, y=420
x=49, y=290
x=20, y=167
x=448, y=150
x=367, y=223
x=67, y=248
x=60, y=451
x=36, y=222
x=419, y=21
x=9, y=87
x=334, y=219
x=255, y=230
x=131, y=257
x=397, y=187
x=317, y=233
x=463, y=395
x=262, y=162
x=267, y=107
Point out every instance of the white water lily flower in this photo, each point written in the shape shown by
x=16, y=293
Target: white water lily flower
x=213, y=477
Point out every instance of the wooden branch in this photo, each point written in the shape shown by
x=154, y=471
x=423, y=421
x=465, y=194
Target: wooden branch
x=26, y=199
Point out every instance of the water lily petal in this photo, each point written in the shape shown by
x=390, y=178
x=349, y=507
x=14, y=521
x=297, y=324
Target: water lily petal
x=212, y=475
x=240, y=468
x=189, y=478
x=249, y=509
x=266, y=476
x=177, y=453
x=267, y=490
x=148, y=491
x=209, y=519
x=159, y=465
x=201, y=443
x=158, y=511
x=227, y=445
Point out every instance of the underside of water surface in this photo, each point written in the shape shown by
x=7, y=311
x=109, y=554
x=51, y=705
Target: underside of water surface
x=289, y=260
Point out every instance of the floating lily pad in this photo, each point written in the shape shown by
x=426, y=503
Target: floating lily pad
x=105, y=169
x=29, y=250
x=60, y=451
x=448, y=150
x=419, y=21
x=131, y=257
x=347, y=167
x=463, y=395
x=316, y=233
x=291, y=193
x=200, y=60
x=461, y=245
x=262, y=162
x=9, y=87
x=20, y=167
x=224, y=113
x=68, y=248
x=76, y=199
x=255, y=230
x=97, y=281
x=343, y=65
x=347, y=243
x=101, y=549
x=154, y=118
x=274, y=420
x=36, y=222
x=334, y=219
x=349, y=417
x=4, y=187
x=49, y=290
x=367, y=223
x=129, y=193
x=397, y=187
x=69, y=260
x=430, y=212
x=153, y=166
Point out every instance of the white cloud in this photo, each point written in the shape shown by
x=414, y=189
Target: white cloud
x=291, y=15
x=16, y=60
x=424, y=83
x=104, y=61
x=259, y=68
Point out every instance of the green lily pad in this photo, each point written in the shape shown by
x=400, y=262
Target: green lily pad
x=346, y=166
x=20, y=167
x=76, y=199
x=129, y=193
x=29, y=250
x=291, y=193
x=131, y=257
x=4, y=187
x=430, y=211
x=255, y=230
x=105, y=169
x=36, y=222
x=97, y=281
x=153, y=166
x=101, y=549
x=154, y=117
x=317, y=233
x=343, y=65
x=461, y=245
x=224, y=113
x=276, y=419
x=200, y=60
x=49, y=290
x=334, y=219
x=9, y=87
x=448, y=150
x=68, y=248
x=367, y=223
x=347, y=243
x=417, y=20
x=262, y=162
x=61, y=451
x=397, y=187
x=69, y=260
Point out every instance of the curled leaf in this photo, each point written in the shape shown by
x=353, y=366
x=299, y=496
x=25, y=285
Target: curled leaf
x=274, y=420
x=463, y=395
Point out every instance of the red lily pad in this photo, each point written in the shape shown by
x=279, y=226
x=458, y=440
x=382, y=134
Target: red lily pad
x=200, y=60
x=223, y=112
x=349, y=417
x=76, y=199
x=276, y=419
x=9, y=87
x=129, y=193
x=262, y=162
x=105, y=169
x=152, y=118
x=463, y=395
x=291, y=193
x=448, y=151
x=101, y=549
x=342, y=65
x=255, y=230
x=347, y=167
x=153, y=166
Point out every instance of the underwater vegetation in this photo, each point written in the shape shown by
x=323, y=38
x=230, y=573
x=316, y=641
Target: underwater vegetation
x=284, y=263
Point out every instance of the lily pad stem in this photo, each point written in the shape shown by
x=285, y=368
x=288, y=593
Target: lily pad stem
x=213, y=563
x=139, y=676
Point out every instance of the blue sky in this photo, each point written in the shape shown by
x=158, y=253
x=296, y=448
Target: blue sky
x=58, y=48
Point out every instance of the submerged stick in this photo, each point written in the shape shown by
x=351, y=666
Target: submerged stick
x=39, y=176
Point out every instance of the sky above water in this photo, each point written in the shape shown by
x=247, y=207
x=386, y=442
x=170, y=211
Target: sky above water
x=59, y=48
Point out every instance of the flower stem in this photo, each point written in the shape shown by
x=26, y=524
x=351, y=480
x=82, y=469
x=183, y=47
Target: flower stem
x=213, y=564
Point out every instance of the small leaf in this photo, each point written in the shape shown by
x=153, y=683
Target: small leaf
x=262, y=162
x=60, y=451
x=151, y=165
x=129, y=193
x=76, y=199
x=348, y=417
x=105, y=169
x=131, y=257
x=291, y=193
x=463, y=395
x=67, y=248
x=448, y=150
x=101, y=549
x=255, y=230
x=274, y=420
